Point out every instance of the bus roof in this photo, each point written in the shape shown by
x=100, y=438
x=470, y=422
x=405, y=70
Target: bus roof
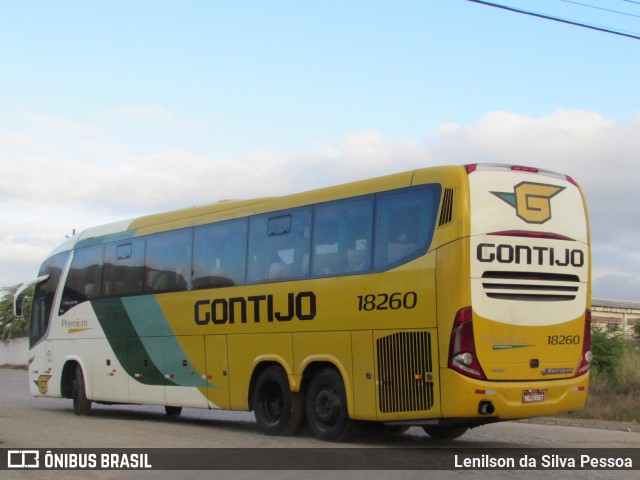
x=230, y=209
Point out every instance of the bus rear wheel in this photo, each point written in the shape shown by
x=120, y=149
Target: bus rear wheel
x=278, y=411
x=445, y=433
x=326, y=406
x=81, y=404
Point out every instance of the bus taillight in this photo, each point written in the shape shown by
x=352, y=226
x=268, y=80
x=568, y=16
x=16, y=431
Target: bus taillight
x=587, y=356
x=519, y=168
x=462, y=349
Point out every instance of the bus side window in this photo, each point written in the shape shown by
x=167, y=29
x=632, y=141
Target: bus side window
x=219, y=254
x=84, y=281
x=343, y=233
x=405, y=220
x=168, y=261
x=123, y=268
x=279, y=246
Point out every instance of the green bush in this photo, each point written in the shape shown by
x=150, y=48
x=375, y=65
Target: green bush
x=614, y=391
x=10, y=326
x=608, y=351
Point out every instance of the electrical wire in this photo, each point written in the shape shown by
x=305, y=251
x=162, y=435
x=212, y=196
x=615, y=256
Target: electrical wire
x=602, y=8
x=558, y=19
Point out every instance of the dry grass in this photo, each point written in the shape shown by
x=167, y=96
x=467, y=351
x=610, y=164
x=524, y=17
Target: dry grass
x=615, y=396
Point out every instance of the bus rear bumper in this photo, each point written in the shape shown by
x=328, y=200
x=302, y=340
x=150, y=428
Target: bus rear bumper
x=470, y=398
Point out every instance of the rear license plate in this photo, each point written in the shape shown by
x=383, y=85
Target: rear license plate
x=533, y=396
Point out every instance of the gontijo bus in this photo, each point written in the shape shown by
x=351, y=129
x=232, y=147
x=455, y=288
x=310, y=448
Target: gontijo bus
x=446, y=297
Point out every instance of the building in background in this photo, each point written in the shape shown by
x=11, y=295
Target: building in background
x=615, y=315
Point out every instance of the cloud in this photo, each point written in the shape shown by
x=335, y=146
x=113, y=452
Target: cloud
x=57, y=125
x=617, y=287
x=358, y=156
x=600, y=154
x=83, y=177
x=561, y=139
x=155, y=113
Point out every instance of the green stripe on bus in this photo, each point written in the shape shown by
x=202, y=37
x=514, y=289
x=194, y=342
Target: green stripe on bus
x=117, y=324
x=151, y=344
x=149, y=321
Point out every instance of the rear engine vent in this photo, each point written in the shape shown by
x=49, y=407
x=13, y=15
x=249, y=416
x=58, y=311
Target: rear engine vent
x=446, y=213
x=405, y=377
x=531, y=286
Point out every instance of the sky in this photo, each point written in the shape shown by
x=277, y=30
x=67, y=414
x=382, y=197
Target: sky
x=111, y=110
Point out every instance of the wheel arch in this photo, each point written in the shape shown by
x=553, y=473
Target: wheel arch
x=66, y=378
x=315, y=365
x=309, y=368
x=260, y=367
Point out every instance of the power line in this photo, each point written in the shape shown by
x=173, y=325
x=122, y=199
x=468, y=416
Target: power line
x=558, y=19
x=602, y=8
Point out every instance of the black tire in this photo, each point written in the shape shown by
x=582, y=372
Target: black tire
x=377, y=428
x=81, y=404
x=173, y=411
x=445, y=433
x=326, y=406
x=278, y=411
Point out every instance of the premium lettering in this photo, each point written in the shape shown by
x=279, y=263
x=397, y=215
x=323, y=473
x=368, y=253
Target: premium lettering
x=256, y=309
x=526, y=255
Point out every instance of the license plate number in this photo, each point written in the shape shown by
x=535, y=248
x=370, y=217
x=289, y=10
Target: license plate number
x=533, y=396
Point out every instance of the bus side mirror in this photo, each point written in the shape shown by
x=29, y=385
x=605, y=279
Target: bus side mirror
x=17, y=305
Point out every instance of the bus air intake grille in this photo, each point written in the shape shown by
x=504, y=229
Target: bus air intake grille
x=405, y=378
x=446, y=212
x=531, y=286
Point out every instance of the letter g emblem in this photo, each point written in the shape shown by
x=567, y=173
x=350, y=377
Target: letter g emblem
x=532, y=201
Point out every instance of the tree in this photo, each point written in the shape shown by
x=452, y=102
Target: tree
x=608, y=351
x=10, y=325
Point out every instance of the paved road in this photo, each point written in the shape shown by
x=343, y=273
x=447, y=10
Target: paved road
x=27, y=422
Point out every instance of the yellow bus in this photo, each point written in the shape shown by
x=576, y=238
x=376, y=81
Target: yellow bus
x=445, y=297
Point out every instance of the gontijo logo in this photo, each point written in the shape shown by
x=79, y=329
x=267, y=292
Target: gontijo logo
x=532, y=201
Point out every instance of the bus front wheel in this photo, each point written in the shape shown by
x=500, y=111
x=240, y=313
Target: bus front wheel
x=278, y=411
x=81, y=404
x=326, y=407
